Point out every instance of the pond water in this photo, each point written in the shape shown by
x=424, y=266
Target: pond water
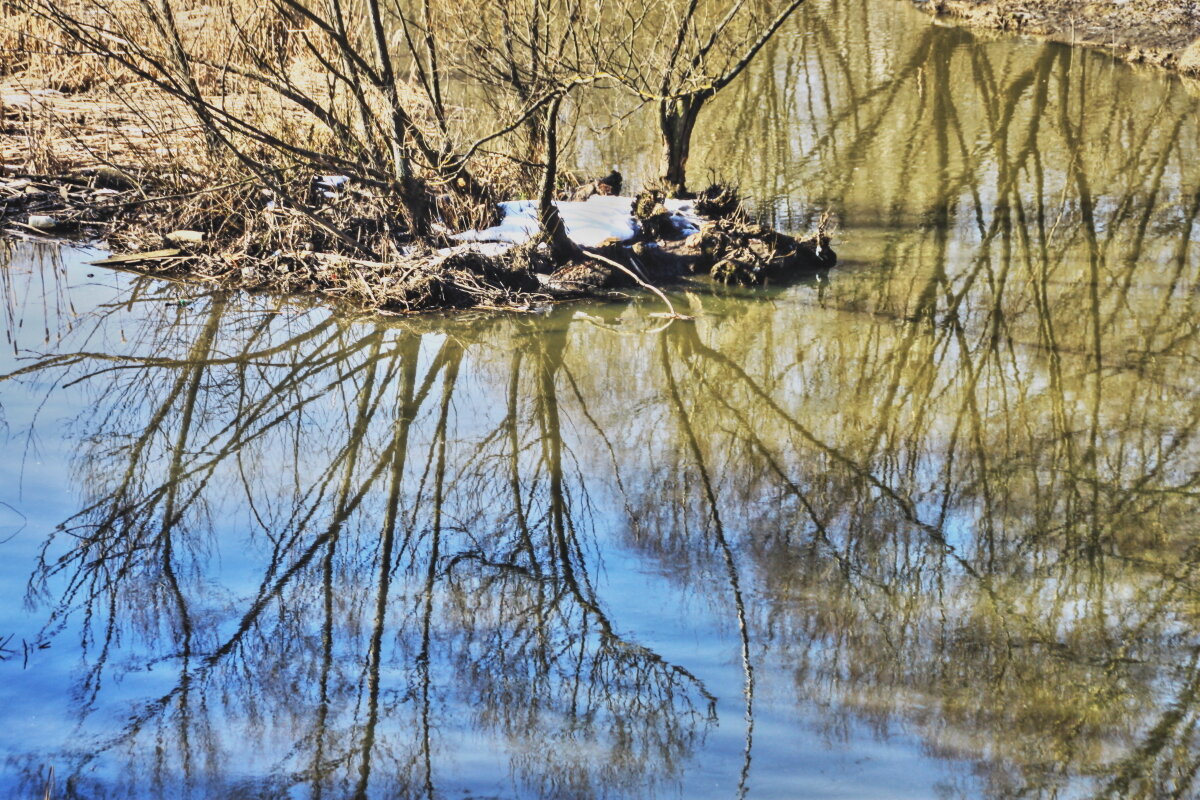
x=922, y=527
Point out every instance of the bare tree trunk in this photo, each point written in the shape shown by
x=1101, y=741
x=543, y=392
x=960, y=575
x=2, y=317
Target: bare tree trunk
x=562, y=249
x=677, y=113
x=535, y=131
x=677, y=120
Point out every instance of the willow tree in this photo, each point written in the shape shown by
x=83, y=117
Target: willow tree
x=713, y=43
x=516, y=55
x=530, y=50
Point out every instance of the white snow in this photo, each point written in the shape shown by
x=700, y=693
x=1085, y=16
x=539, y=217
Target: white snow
x=491, y=249
x=331, y=185
x=517, y=225
x=332, y=181
x=683, y=214
x=588, y=223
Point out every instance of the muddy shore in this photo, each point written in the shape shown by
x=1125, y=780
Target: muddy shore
x=1163, y=33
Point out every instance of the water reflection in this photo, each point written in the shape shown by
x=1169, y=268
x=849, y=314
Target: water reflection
x=943, y=502
x=393, y=542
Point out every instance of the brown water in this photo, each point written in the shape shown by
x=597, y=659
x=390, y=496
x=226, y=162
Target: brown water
x=922, y=527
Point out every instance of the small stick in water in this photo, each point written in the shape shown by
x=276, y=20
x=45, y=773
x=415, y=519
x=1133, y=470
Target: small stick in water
x=672, y=313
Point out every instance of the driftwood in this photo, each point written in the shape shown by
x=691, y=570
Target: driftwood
x=139, y=258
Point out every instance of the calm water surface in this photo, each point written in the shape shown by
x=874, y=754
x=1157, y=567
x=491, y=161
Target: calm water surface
x=922, y=527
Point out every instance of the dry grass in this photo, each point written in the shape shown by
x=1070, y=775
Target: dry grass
x=1189, y=59
x=228, y=147
x=47, y=132
x=361, y=256
x=42, y=57
x=45, y=56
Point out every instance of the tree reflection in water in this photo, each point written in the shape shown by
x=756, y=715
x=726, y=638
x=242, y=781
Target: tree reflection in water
x=403, y=547
x=948, y=494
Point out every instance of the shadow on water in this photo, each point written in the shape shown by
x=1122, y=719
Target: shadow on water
x=944, y=502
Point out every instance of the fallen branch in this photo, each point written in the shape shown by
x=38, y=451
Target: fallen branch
x=671, y=312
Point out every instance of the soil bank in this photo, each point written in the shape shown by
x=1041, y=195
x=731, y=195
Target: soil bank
x=1164, y=33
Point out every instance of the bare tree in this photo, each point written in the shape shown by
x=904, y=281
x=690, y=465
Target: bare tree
x=713, y=44
x=530, y=49
x=329, y=64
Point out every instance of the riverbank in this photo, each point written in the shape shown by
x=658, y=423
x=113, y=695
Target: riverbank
x=1161, y=33
x=126, y=166
x=238, y=237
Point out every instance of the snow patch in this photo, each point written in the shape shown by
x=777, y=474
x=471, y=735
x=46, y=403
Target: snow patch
x=683, y=214
x=332, y=181
x=588, y=222
x=490, y=249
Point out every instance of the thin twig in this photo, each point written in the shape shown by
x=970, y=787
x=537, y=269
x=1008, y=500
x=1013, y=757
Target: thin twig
x=672, y=313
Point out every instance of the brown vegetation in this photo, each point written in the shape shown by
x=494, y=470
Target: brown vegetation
x=219, y=120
